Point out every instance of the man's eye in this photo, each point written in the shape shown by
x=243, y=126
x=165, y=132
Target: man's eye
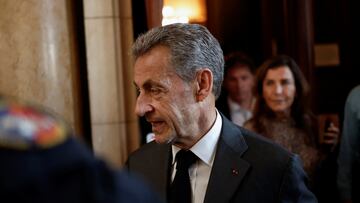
x=244, y=78
x=155, y=90
x=137, y=91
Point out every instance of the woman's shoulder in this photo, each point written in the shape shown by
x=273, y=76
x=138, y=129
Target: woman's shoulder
x=256, y=124
x=249, y=124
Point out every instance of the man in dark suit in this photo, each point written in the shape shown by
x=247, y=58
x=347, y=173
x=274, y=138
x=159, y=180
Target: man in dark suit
x=178, y=72
x=237, y=100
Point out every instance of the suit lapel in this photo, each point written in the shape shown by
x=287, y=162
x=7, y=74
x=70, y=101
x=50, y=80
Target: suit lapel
x=229, y=168
x=157, y=168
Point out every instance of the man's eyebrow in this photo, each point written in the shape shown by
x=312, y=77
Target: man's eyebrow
x=135, y=84
x=148, y=83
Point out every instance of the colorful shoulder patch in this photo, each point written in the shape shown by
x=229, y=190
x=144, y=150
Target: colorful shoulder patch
x=24, y=126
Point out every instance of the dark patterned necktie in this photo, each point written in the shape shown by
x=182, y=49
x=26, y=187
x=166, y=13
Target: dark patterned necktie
x=180, y=191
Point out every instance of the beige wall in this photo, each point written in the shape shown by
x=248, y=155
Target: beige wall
x=38, y=63
x=108, y=30
x=36, y=58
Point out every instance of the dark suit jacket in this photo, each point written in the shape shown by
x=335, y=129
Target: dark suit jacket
x=247, y=168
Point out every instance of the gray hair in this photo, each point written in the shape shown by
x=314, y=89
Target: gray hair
x=192, y=48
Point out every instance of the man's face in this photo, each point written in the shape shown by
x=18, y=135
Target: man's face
x=166, y=101
x=239, y=82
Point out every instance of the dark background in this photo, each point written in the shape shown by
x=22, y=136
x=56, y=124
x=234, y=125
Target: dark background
x=293, y=27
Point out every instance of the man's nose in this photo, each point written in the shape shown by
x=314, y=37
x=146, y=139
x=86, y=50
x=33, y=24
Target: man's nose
x=239, y=83
x=143, y=105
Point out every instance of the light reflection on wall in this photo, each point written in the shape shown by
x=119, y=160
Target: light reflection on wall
x=184, y=11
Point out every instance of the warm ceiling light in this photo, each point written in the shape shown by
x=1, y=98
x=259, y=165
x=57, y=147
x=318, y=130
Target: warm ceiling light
x=183, y=11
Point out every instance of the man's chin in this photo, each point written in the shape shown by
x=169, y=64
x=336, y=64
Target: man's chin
x=160, y=139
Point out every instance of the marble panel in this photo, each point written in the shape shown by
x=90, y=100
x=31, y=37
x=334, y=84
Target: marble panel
x=127, y=68
x=35, y=54
x=102, y=70
x=109, y=143
x=98, y=8
x=125, y=8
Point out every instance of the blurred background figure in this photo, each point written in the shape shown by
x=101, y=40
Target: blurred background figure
x=349, y=156
x=282, y=114
x=41, y=161
x=237, y=100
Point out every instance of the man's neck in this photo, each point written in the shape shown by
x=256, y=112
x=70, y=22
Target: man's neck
x=206, y=122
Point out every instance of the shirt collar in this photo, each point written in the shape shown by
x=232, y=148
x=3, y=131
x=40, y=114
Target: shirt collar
x=233, y=106
x=205, y=148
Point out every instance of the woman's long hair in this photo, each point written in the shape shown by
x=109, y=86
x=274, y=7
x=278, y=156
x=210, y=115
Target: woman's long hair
x=300, y=110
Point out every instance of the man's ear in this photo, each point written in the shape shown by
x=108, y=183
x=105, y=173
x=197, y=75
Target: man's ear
x=204, y=84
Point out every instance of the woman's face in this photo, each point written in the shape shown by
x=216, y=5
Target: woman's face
x=279, y=90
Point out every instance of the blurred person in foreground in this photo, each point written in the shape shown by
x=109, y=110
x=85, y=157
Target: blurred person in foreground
x=348, y=178
x=282, y=114
x=41, y=161
x=198, y=154
x=237, y=101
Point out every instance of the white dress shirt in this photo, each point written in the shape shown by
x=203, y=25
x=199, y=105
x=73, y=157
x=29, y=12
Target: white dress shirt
x=238, y=114
x=205, y=150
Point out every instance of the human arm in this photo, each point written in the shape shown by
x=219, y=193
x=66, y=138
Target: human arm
x=348, y=146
